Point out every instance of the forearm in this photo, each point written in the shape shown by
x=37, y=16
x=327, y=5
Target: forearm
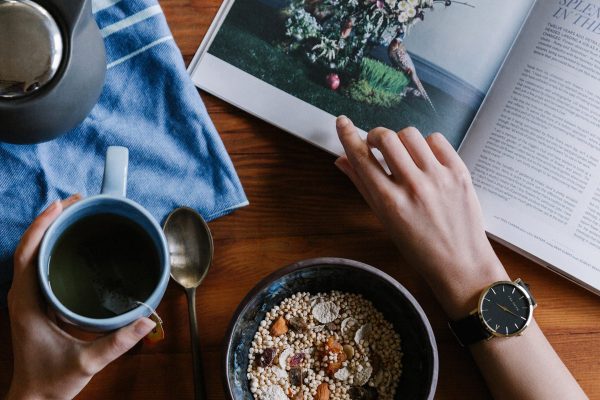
x=429, y=206
x=525, y=367
x=518, y=367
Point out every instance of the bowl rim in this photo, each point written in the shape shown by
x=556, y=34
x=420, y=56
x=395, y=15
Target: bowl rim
x=337, y=261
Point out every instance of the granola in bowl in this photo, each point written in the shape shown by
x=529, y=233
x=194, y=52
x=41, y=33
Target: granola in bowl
x=331, y=345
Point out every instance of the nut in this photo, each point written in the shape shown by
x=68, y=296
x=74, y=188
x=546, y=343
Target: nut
x=348, y=351
x=279, y=327
x=322, y=392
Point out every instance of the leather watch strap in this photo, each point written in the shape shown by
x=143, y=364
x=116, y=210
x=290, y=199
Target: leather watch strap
x=469, y=330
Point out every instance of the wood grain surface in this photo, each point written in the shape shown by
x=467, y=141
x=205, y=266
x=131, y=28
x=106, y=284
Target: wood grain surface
x=301, y=206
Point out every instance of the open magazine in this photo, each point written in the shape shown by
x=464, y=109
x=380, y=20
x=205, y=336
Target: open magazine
x=514, y=85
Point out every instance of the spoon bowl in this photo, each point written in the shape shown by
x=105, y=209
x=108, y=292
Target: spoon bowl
x=191, y=249
x=190, y=246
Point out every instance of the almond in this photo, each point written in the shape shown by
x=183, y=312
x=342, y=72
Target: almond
x=279, y=327
x=322, y=392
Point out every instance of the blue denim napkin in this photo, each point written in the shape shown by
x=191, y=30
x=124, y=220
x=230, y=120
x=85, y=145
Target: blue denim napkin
x=149, y=105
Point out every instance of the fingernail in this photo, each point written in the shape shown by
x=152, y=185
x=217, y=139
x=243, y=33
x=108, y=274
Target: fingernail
x=338, y=163
x=144, y=326
x=341, y=121
x=73, y=197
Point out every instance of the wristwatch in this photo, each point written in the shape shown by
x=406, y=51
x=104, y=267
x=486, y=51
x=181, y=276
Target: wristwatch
x=505, y=309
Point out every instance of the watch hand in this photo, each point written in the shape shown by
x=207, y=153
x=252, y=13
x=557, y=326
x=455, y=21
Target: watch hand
x=508, y=311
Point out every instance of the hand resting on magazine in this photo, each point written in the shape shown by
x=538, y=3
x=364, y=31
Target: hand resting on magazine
x=429, y=206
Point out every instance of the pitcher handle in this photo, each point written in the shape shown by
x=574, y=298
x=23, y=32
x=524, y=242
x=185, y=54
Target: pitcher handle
x=115, y=171
x=73, y=11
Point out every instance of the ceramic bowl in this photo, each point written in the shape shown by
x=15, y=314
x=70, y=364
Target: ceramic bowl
x=420, y=361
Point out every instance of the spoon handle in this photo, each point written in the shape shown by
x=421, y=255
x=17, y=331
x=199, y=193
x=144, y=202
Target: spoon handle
x=199, y=388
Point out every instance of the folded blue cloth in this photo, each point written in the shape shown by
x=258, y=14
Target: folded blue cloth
x=150, y=105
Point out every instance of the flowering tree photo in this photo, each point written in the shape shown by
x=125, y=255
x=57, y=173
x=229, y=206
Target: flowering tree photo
x=337, y=35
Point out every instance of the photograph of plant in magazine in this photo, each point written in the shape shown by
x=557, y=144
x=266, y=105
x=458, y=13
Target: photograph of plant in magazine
x=364, y=58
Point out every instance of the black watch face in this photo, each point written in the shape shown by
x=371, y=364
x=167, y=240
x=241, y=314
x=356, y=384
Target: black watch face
x=505, y=309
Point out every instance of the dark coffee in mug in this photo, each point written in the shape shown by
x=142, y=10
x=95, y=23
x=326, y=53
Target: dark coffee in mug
x=103, y=265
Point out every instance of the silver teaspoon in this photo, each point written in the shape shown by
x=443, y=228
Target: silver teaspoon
x=191, y=251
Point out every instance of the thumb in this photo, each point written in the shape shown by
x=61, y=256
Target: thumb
x=108, y=348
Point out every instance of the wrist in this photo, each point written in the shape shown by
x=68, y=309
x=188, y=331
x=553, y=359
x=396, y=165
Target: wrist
x=460, y=294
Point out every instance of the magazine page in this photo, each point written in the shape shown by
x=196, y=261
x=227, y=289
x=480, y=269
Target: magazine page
x=534, y=149
x=396, y=63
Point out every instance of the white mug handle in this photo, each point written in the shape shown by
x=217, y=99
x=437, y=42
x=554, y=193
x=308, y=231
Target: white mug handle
x=115, y=171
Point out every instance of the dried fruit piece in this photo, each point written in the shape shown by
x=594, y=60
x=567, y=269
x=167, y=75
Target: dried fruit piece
x=296, y=376
x=326, y=312
x=279, y=327
x=296, y=359
x=348, y=351
x=298, y=325
x=342, y=374
x=362, y=377
x=362, y=333
x=322, y=392
x=274, y=392
x=333, y=346
x=333, y=367
x=283, y=357
x=267, y=357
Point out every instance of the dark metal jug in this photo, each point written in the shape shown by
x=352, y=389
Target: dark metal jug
x=52, y=67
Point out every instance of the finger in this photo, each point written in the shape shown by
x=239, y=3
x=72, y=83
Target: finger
x=27, y=297
x=101, y=352
x=344, y=165
x=417, y=148
x=30, y=242
x=443, y=150
x=360, y=156
x=32, y=237
x=66, y=203
x=394, y=152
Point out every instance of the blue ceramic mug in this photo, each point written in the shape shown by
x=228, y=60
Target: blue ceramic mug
x=112, y=200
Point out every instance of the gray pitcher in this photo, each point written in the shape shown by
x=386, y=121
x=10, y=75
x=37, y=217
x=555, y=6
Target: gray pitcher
x=52, y=67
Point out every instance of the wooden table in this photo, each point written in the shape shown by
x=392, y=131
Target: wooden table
x=301, y=206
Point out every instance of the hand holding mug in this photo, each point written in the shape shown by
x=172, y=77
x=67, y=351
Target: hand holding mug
x=48, y=362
